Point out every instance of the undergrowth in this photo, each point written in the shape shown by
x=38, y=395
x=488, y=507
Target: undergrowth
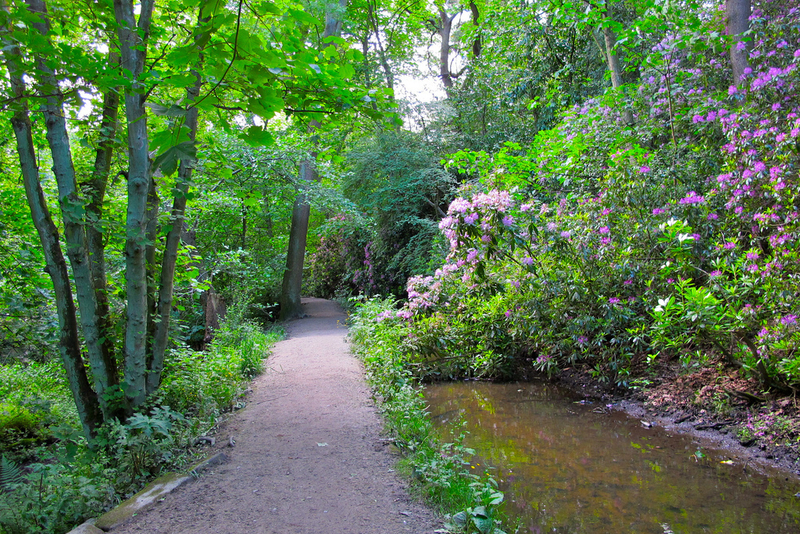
x=439, y=471
x=51, y=480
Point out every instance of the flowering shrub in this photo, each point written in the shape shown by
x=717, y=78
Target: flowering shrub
x=605, y=242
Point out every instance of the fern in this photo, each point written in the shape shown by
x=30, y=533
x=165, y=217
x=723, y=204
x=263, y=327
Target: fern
x=10, y=474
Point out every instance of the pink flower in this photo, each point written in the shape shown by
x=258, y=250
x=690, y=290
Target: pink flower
x=644, y=168
x=604, y=230
x=658, y=211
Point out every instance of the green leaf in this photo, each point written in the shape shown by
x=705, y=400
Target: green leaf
x=173, y=111
x=257, y=136
x=169, y=160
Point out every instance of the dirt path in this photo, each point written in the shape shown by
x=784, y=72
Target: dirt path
x=308, y=456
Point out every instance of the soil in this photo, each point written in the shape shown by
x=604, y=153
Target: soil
x=307, y=454
x=711, y=403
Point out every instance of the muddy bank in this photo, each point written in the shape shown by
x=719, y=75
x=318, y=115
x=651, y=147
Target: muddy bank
x=715, y=404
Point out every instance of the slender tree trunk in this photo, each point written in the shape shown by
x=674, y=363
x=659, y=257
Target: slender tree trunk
x=737, y=22
x=86, y=400
x=382, y=58
x=445, y=28
x=103, y=368
x=95, y=189
x=476, y=44
x=614, y=65
x=293, y=275
x=176, y=223
x=133, y=46
x=150, y=264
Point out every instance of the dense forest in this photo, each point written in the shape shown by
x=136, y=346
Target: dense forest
x=594, y=184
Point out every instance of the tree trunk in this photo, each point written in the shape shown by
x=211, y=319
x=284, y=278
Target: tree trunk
x=737, y=22
x=133, y=47
x=176, y=222
x=95, y=189
x=614, y=65
x=86, y=400
x=476, y=44
x=293, y=275
x=445, y=29
x=103, y=368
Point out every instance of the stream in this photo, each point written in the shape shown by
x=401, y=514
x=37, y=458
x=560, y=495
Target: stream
x=570, y=466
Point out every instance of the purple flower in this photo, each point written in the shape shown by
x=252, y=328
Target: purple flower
x=614, y=300
x=759, y=166
x=644, y=169
x=692, y=198
x=714, y=274
x=459, y=205
x=527, y=260
x=789, y=319
x=604, y=230
x=752, y=268
x=583, y=340
x=565, y=234
x=752, y=255
x=508, y=314
x=471, y=218
x=658, y=211
x=508, y=220
x=712, y=217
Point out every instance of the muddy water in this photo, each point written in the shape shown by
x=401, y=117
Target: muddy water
x=569, y=467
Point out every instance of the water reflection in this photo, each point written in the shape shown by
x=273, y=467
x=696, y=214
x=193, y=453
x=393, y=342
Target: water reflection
x=578, y=468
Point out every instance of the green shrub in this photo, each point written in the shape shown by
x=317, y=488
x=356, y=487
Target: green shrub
x=439, y=471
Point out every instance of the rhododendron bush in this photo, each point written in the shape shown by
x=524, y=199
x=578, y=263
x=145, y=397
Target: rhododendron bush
x=608, y=242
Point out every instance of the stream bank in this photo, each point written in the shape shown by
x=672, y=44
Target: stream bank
x=711, y=403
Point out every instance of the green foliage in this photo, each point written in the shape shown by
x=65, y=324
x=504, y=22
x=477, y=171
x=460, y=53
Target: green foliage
x=440, y=471
x=399, y=190
x=68, y=482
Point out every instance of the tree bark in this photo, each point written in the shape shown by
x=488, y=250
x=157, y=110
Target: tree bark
x=445, y=28
x=476, y=44
x=176, y=222
x=291, y=288
x=103, y=368
x=737, y=22
x=293, y=276
x=613, y=63
x=133, y=46
x=95, y=189
x=85, y=398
